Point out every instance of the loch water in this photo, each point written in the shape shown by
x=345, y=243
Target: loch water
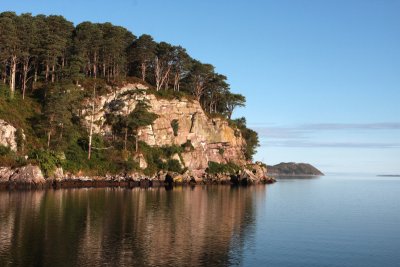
x=334, y=220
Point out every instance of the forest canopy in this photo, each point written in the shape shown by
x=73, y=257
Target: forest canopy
x=50, y=49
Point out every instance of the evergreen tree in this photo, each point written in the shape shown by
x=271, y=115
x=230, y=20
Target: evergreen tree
x=140, y=55
x=10, y=46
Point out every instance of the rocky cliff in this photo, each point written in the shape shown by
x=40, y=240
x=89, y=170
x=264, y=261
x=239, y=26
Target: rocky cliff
x=212, y=138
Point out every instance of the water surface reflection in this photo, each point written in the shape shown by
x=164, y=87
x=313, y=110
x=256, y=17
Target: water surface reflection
x=123, y=227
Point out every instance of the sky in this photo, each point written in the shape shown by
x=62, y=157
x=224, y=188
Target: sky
x=321, y=78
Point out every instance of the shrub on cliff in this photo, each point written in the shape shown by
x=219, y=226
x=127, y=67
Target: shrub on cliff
x=250, y=136
x=175, y=127
x=47, y=160
x=4, y=150
x=220, y=168
x=174, y=165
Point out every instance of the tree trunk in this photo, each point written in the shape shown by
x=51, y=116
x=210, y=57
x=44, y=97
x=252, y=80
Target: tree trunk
x=176, y=81
x=25, y=70
x=95, y=65
x=143, y=68
x=47, y=71
x=125, y=137
x=157, y=73
x=48, y=138
x=62, y=66
x=4, y=75
x=198, y=91
x=13, y=71
x=91, y=124
x=36, y=75
x=53, y=73
x=61, y=131
x=136, y=143
x=166, y=82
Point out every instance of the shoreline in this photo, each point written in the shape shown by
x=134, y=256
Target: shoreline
x=31, y=177
x=124, y=183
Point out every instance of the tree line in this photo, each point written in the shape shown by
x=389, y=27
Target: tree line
x=49, y=49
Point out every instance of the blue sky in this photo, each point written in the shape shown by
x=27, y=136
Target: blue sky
x=321, y=78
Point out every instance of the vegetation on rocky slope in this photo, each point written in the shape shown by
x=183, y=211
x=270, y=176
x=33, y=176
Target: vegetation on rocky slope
x=51, y=70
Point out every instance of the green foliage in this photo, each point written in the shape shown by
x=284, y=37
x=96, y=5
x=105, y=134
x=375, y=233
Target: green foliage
x=47, y=160
x=7, y=157
x=170, y=95
x=174, y=166
x=19, y=112
x=215, y=168
x=221, y=151
x=169, y=151
x=4, y=150
x=102, y=162
x=51, y=49
x=175, y=126
x=231, y=101
x=159, y=158
x=250, y=136
x=19, y=138
x=188, y=146
x=141, y=116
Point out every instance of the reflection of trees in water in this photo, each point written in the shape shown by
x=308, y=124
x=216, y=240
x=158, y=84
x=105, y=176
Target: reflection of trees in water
x=126, y=227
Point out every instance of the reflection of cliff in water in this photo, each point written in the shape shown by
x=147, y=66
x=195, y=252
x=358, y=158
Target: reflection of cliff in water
x=116, y=227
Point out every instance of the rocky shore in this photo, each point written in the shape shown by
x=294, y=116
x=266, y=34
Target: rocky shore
x=31, y=177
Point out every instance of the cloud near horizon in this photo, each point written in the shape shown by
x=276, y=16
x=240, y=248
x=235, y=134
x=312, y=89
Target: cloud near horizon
x=301, y=135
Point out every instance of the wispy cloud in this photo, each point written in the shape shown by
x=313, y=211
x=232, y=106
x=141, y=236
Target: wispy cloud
x=303, y=135
x=352, y=126
x=330, y=126
x=311, y=144
x=280, y=132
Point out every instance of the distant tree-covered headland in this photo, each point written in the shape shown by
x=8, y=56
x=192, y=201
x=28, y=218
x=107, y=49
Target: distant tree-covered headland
x=52, y=71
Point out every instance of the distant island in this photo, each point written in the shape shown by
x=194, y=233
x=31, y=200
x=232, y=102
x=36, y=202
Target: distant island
x=293, y=169
x=388, y=175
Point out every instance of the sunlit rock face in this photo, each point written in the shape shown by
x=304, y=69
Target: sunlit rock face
x=28, y=174
x=5, y=174
x=212, y=138
x=8, y=135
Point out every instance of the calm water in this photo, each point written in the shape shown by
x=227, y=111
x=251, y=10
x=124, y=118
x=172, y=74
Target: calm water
x=327, y=221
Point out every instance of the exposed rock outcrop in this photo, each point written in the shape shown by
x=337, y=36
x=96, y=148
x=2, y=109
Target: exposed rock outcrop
x=58, y=174
x=28, y=174
x=212, y=139
x=141, y=160
x=5, y=174
x=22, y=177
x=8, y=135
